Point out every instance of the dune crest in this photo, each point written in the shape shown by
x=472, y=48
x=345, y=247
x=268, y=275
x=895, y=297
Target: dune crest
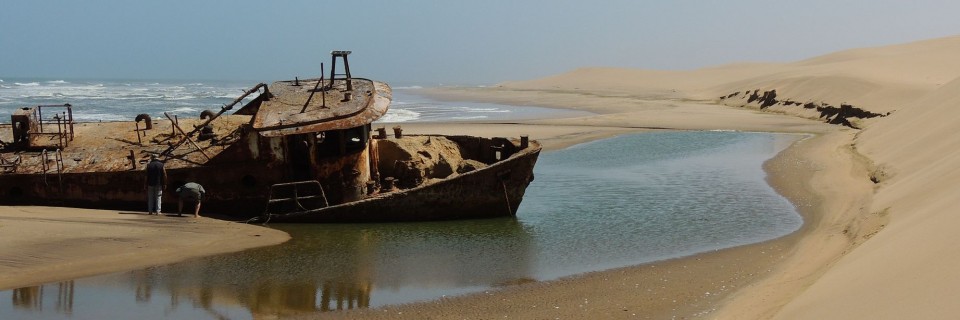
x=882, y=79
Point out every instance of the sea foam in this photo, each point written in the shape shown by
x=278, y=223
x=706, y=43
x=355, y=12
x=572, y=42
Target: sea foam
x=400, y=115
x=124, y=99
x=183, y=110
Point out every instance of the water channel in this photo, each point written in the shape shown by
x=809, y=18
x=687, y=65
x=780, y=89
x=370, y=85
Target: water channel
x=604, y=204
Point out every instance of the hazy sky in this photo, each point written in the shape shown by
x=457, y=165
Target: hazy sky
x=439, y=42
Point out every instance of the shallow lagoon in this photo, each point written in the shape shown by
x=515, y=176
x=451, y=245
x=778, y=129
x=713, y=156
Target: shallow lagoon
x=605, y=204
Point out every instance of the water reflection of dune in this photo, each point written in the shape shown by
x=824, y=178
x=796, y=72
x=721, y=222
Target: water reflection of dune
x=334, y=267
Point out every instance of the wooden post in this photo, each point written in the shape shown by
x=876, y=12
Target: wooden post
x=133, y=161
x=324, y=92
x=137, y=131
x=70, y=118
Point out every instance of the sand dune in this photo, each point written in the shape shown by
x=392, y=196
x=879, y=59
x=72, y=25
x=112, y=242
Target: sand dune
x=907, y=269
x=881, y=79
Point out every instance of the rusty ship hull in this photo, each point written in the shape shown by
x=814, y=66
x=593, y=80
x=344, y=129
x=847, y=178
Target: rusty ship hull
x=494, y=191
x=240, y=190
x=295, y=151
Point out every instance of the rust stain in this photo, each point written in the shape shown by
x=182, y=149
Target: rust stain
x=279, y=116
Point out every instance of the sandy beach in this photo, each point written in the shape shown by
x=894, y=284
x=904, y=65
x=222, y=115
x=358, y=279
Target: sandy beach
x=876, y=195
x=44, y=244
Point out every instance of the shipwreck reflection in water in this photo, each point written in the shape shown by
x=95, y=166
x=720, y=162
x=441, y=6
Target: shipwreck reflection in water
x=323, y=268
x=32, y=298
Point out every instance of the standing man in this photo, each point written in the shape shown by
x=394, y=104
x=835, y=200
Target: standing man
x=192, y=193
x=156, y=182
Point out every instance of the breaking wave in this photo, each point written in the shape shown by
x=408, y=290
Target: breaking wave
x=399, y=115
x=184, y=110
x=106, y=100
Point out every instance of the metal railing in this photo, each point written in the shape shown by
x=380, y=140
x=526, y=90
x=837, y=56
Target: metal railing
x=296, y=198
x=64, y=121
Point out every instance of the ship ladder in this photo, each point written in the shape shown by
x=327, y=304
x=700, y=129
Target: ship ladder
x=290, y=197
x=58, y=161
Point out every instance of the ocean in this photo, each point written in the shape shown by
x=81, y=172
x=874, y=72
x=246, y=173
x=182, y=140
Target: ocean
x=122, y=100
x=604, y=204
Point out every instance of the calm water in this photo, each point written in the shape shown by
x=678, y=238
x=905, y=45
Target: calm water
x=604, y=204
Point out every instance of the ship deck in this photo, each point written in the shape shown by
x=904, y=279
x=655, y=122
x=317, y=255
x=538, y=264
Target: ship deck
x=305, y=107
x=106, y=146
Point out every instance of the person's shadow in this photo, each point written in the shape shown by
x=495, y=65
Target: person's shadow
x=174, y=215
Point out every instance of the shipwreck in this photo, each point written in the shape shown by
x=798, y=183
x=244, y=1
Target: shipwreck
x=294, y=151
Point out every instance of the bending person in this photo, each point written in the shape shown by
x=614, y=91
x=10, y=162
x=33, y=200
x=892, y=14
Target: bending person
x=192, y=193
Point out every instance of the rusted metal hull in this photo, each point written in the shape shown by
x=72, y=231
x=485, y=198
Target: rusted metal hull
x=312, y=133
x=124, y=190
x=494, y=191
x=239, y=189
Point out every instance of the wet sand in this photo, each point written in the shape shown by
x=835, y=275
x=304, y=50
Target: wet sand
x=45, y=244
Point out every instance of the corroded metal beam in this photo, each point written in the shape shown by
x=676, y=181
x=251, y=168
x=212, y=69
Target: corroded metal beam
x=185, y=137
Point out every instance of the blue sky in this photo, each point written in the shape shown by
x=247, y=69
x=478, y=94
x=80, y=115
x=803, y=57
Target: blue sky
x=439, y=42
